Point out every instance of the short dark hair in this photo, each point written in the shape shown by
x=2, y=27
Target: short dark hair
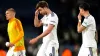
x=42, y=4
x=84, y=6
x=11, y=9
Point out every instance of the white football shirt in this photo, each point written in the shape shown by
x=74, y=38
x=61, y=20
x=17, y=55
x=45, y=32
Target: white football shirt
x=88, y=35
x=47, y=20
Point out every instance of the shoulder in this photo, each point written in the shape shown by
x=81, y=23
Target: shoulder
x=54, y=16
x=91, y=18
x=17, y=20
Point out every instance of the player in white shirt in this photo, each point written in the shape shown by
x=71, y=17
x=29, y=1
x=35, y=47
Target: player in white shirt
x=49, y=21
x=89, y=33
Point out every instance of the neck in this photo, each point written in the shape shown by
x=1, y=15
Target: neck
x=86, y=14
x=11, y=19
x=48, y=11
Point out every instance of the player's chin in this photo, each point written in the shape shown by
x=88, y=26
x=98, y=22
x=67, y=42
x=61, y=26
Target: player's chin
x=42, y=14
x=7, y=19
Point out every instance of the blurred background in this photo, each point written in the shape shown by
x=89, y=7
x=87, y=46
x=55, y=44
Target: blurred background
x=67, y=11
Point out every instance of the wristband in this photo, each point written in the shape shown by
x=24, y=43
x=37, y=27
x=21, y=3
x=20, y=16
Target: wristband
x=79, y=20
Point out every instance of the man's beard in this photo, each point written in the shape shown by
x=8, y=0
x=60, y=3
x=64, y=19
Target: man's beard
x=44, y=13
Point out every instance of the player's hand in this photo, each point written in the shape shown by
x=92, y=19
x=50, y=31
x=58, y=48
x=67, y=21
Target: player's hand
x=36, y=12
x=10, y=45
x=79, y=16
x=34, y=40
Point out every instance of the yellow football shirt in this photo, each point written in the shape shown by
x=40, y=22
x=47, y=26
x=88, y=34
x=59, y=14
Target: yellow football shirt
x=16, y=34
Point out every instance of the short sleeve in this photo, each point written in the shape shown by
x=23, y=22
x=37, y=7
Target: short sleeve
x=86, y=22
x=53, y=21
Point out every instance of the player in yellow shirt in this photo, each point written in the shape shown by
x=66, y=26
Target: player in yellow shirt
x=16, y=35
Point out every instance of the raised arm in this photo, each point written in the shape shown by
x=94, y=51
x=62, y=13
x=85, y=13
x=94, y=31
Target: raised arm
x=37, y=22
x=80, y=27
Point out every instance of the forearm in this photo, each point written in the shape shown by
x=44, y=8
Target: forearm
x=36, y=21
x=19, y=37
x=96, y=36
x=46, y=32
x=78, y=26
x=43, y=34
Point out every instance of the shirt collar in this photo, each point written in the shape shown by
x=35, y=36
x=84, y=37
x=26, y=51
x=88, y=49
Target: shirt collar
x=11, y=19
x=87, y=16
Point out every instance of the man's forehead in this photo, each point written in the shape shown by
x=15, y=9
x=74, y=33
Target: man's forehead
x=80, y=8
x=9, y=12
x=39, y=8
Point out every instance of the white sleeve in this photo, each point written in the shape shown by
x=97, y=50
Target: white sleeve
x=86, y=22
x=53, y=21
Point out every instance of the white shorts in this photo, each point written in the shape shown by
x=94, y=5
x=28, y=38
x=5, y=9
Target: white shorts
x=87, y=51
x=48, y=50
x=18, y=53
